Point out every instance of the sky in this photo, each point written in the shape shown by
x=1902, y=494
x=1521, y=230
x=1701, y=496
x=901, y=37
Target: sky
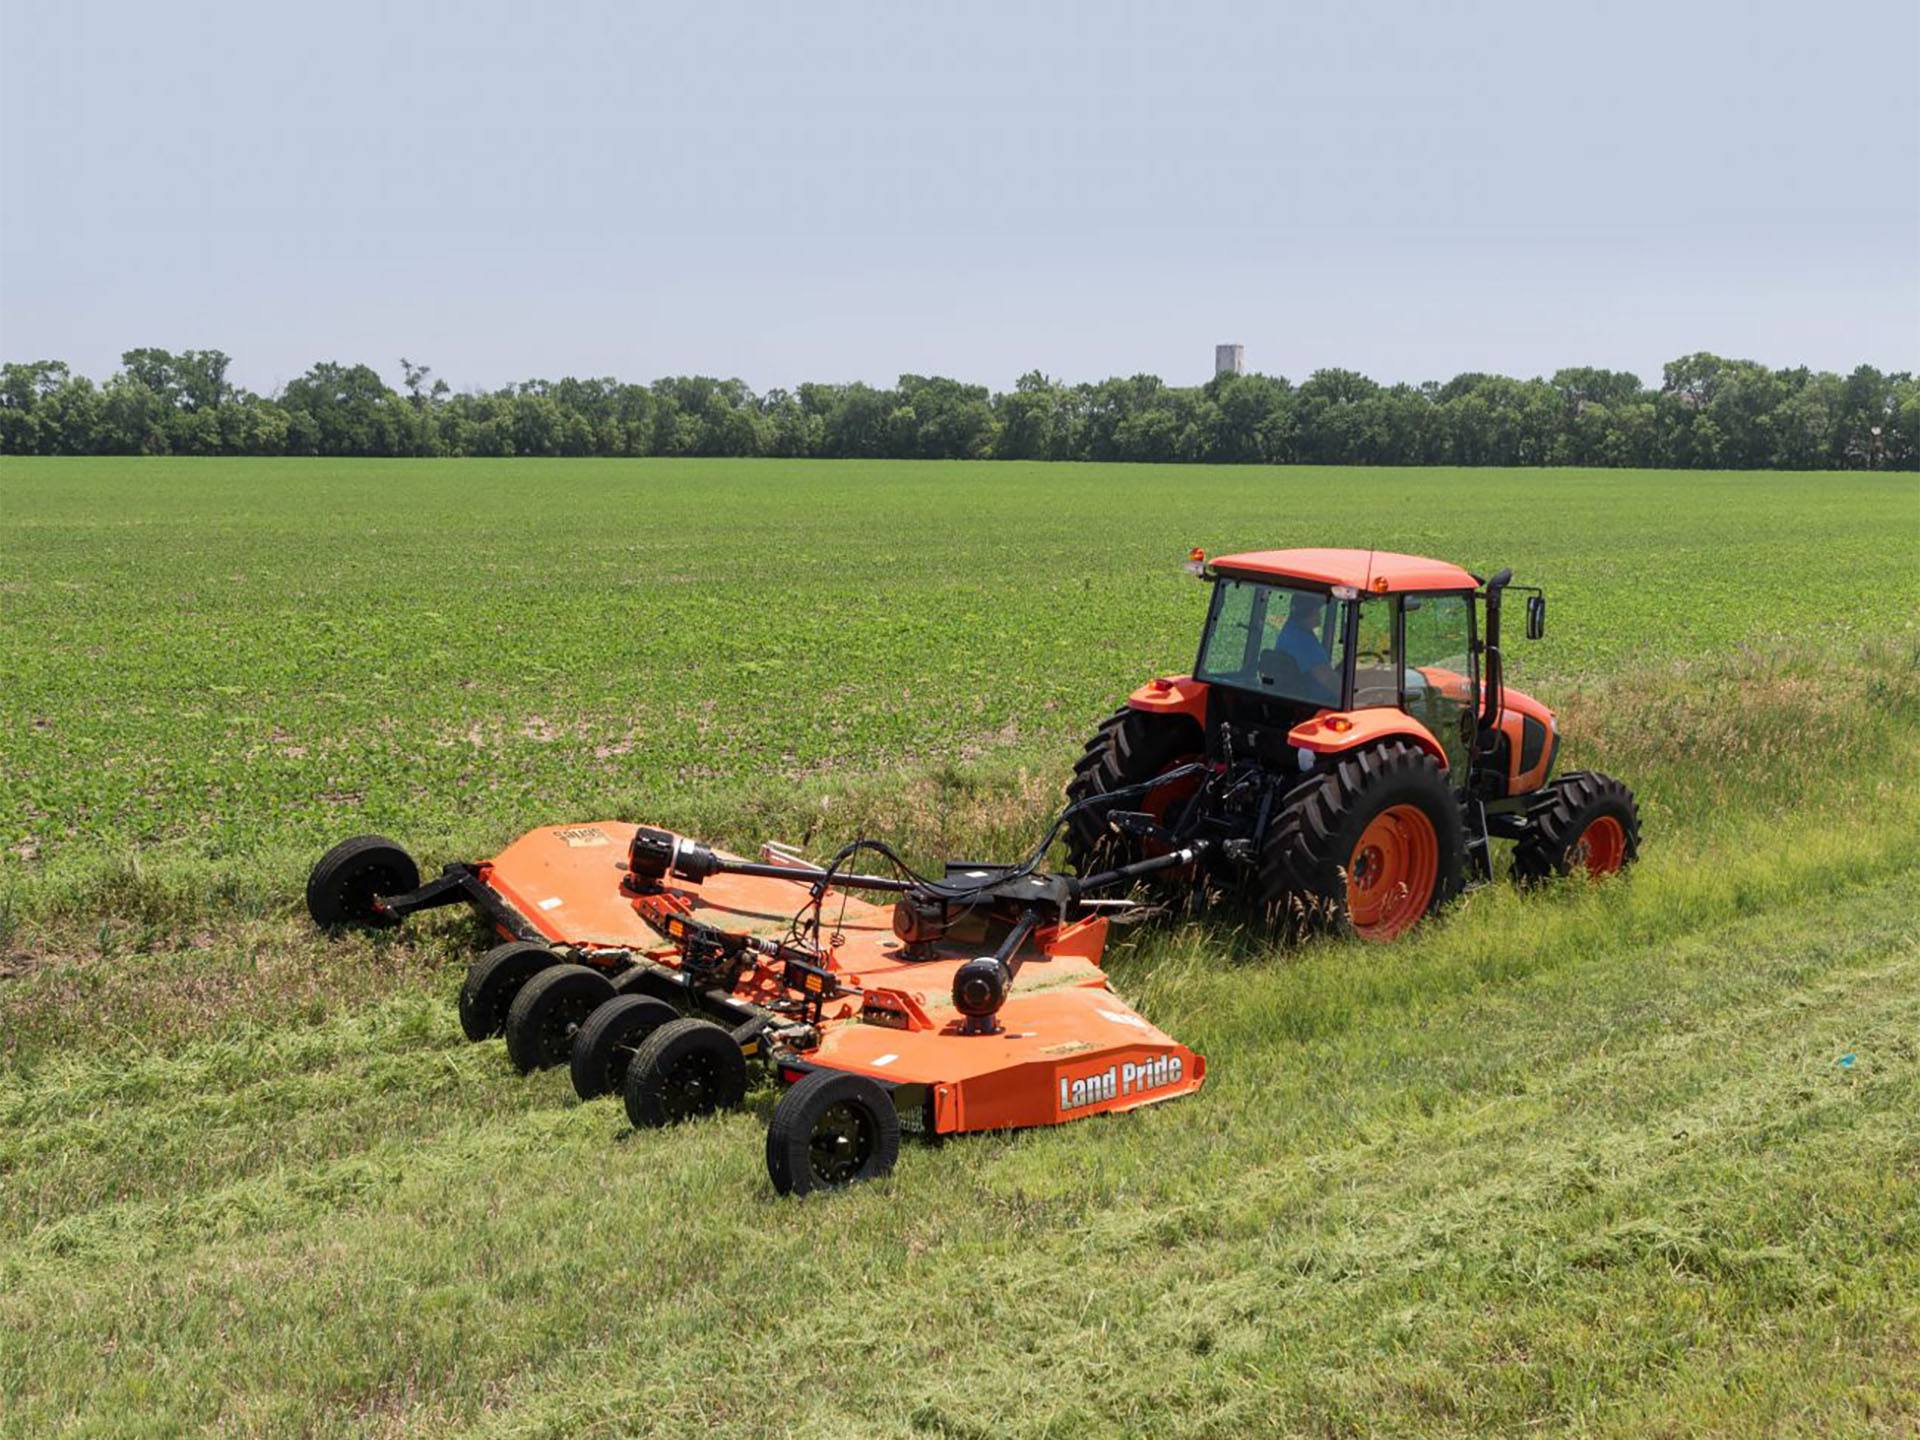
x=841, y=191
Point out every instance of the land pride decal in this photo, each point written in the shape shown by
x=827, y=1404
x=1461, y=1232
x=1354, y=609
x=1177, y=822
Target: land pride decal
x=1120, y=1081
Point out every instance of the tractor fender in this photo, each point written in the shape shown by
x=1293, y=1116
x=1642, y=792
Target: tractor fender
x=1333, y=732
x=1172, y=695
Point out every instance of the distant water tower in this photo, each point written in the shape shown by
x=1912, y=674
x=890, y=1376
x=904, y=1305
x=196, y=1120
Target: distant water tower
x=1229, y=359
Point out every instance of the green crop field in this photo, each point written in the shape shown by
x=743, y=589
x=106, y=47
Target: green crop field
x=1616, y=1160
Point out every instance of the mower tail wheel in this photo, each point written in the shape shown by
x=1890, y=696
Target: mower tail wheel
x=1370, y=845
x=683, y=1070
x=605, y=1045
x=550, y=1007
x=1583, y=822
x=831, y=1130
x=344, y=888
x=493, y=982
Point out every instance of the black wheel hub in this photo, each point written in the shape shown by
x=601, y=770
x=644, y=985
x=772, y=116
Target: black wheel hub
x=557, y=1026
x=358, y=891
x=841, y=1144
x=614, y=1062
x=496, y=1012
x=691, y=1086
x=609, y=1068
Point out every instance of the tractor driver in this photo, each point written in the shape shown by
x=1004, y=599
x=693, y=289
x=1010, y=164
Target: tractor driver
x=1300, y=648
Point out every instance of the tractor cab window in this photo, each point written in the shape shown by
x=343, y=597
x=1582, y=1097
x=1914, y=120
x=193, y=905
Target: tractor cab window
x=1275, y=639
x=1438, y=671
x=1374, y=680
x=1439, y=638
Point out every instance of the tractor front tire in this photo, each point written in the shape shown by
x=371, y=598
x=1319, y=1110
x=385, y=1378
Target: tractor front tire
x=1583, y=822
x=1368, y=847
x=349, y=879
x=1130, y=747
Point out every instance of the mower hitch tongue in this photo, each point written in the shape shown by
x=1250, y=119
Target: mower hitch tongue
x=660, y=968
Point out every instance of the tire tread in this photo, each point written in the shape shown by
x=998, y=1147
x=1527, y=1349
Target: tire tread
x=1558, y=815
x=1302, y=873
x=1127, y=747
x=800, y=1108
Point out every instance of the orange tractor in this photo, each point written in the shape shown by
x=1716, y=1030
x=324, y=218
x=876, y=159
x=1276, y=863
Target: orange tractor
x=1357, y=748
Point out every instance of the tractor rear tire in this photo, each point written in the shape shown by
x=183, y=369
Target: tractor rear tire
x=344, y=884
x=1130, y=747
x=832, y=1129
x=548, y=1010
x=1368, y=847
x=605, y=1045
x=1583, y=821
x=682, y=1071
x=493, y=982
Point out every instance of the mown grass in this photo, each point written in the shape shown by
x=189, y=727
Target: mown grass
x=1607, y=1178
x=1631, y=1159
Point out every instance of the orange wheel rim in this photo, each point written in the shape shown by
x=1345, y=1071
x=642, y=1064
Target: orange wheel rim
x=1392, y=873
x=1601, y=848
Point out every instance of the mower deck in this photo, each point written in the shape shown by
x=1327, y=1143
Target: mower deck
x=1065, y=1045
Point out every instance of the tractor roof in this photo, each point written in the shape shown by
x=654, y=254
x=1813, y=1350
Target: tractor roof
x=1375, y=570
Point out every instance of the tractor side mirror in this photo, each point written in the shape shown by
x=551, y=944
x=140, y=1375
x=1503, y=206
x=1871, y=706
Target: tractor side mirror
x=1536, y=616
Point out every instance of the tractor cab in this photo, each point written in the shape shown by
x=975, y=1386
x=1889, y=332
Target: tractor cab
x=1327, y=643
x=1295, y=635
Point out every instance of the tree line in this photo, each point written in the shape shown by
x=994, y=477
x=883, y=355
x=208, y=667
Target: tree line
x=1707, y=413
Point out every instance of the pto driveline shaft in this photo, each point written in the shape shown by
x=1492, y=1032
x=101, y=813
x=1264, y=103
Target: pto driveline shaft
x=1172, y=860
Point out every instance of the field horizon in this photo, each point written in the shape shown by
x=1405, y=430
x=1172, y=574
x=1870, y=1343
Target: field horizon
x=1619, y=1159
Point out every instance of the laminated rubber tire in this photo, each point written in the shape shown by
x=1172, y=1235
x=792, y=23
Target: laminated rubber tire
x=343, y=885
x=550, y=1007
x=684, y=1070
x=1130, y=747
x=831, y=1130
x=605, y=1045
x=493, y=982
x=1368, y=846
x=1583, y=821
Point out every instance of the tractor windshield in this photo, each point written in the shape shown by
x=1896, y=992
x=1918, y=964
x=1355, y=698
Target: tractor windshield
x=1275, y=639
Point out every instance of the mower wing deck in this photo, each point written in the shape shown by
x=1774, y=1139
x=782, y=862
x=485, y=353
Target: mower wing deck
x=1067, y=1046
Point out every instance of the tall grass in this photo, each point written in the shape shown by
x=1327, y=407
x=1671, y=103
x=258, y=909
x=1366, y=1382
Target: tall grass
x=1703, y=742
